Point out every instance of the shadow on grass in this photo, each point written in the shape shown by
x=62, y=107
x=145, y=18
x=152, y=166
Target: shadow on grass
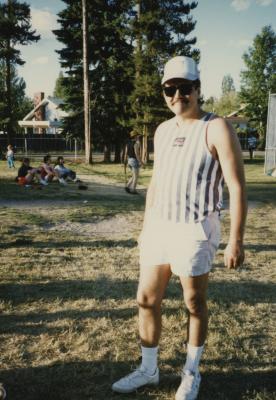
x=256, y=248
x=101, y=289
x=262, y=192
x=84, y=380
x=104, y=288
x=34, y=324
x=223, y=293
x=255, y=161
x=249, y=292
x=108, y=243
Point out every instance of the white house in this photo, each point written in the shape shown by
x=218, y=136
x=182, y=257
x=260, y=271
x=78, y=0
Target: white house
x=46, y=116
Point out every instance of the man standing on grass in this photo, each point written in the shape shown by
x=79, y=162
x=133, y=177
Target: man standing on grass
x=133, y=158
x=194, y=152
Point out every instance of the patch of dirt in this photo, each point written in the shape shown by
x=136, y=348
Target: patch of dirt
x=100, y=185
x=121, y=224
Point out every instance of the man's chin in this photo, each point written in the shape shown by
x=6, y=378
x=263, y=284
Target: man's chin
x=180, y=109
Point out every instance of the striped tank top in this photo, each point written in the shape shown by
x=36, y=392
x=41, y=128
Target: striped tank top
x=189, y=180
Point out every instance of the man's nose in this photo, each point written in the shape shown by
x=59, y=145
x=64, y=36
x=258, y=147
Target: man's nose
x=177, y=94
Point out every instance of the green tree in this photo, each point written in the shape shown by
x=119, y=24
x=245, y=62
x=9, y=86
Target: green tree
x=223, y=106
x=128, y=50
x=228, y=102
x=161, y=30
x=227, y=85
x=259, y=78
x=109, y=61
x=210, y=104
x=60, y=88
x=21, y=104
x=15, y=29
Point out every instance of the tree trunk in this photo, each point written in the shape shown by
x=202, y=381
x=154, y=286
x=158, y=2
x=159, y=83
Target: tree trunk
x=138, y=51
x=145, y=155
x=87, y=128
x=118, y=152
x=9, y=101
x=107, y=153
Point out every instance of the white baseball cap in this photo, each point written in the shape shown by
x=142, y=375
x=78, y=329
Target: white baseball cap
x=181, y=67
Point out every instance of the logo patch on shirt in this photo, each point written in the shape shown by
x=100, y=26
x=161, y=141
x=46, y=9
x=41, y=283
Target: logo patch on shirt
x=178, y=142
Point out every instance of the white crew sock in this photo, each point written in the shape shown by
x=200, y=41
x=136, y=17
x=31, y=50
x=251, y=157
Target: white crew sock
x=149, y=359
x=193, y=357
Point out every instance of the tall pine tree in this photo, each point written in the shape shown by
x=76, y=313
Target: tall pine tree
x=60, y=88
x=161, y=30
x=227, y=84
x=21, y=104
x=15, y=29
x=109, y=60
x=129, y=42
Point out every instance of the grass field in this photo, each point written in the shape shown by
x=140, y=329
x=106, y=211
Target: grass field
x=68, y=279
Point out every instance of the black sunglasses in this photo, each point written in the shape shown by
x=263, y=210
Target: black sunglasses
x=184, y=89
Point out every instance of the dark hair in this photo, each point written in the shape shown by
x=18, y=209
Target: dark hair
x=59, y=159
x=197, y=84
x=46, y=158
x=26, y=160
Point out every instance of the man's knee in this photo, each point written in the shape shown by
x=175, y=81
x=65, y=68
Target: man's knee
x=196, y=303
x=148, y=300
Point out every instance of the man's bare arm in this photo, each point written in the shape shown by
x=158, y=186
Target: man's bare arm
x=224, y=140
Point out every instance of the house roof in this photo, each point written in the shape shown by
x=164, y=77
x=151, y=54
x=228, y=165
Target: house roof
x=55, y=100
x=39, y=124
x=237, y=112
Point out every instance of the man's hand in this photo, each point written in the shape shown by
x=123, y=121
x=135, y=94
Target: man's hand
x=233, y=255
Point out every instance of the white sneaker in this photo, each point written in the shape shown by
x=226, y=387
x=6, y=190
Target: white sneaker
x=135, y=380
x=62, y=181
x=189, y=387
x=43, y=182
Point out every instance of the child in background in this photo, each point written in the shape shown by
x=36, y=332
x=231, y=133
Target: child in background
x=26, y=173
x=10, y=156
x=47, y=171
x=63, y=172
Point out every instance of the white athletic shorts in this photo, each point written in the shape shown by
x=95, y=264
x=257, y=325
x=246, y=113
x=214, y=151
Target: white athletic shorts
x=188, y=247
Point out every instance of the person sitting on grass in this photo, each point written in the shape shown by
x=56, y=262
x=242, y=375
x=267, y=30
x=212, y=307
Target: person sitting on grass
x=47, y=171
x=26, y=174
x=63, y=172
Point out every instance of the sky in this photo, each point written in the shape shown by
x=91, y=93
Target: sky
x=225, y=29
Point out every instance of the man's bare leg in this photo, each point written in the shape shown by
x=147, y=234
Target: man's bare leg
x=195, y=297
x=152, y=285
x=195, y=289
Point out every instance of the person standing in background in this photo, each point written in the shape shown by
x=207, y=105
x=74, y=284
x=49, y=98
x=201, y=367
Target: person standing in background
x=252, y=144
x=133, y=158
x=10, y=156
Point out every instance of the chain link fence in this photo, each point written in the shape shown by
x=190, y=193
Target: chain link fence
x=36, y=146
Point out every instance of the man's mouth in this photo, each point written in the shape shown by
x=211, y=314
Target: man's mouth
x=185, y=101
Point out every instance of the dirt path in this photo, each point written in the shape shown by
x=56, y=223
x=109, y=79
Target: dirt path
x=100, y=185
x=120, y=225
